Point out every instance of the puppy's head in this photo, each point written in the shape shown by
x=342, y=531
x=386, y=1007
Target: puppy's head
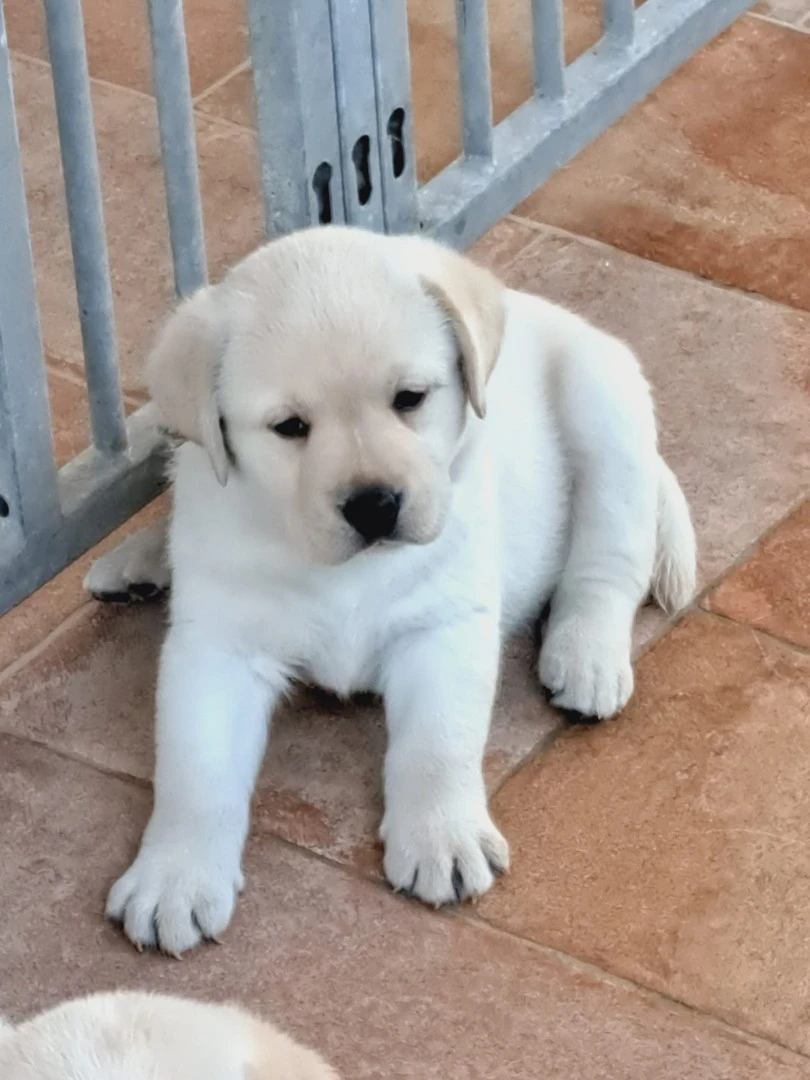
x=136, y=1036
x=330, y=373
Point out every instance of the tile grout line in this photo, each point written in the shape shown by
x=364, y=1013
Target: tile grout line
x=546, y=228
x=462, y=914
x=694, y=608
x=773, y=21
x=94, y=79
x=217, y=83
x=760, y=1041
x=32, y=654
x=803, y=650
x=74, y=378
x=143, y=95
x=749, y=550
x=77, y=759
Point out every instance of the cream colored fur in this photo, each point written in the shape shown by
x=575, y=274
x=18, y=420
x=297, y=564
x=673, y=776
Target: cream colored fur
x=136, y=1036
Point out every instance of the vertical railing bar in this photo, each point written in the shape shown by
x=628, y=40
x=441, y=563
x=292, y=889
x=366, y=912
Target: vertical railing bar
x=392, y=74
x=619, y=17
x=77, y=140
x=177, y=143
x=355, y=96
x=475, y=77
x=24, y=410
x=548, y=42
x=284, y=181
x=296, y=109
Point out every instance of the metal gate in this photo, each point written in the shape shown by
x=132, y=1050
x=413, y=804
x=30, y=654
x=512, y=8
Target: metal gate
x=332, y=83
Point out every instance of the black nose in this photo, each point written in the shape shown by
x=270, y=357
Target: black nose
x=373, y=512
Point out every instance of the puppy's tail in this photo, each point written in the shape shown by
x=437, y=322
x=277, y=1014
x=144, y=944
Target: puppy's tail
x=675, y=571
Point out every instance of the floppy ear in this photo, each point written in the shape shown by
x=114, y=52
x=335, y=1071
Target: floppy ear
x=182, y=369
x=473, y=300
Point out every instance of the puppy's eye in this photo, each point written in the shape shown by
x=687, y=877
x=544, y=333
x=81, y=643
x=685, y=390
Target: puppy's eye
x=292, y=428
x=408, y=400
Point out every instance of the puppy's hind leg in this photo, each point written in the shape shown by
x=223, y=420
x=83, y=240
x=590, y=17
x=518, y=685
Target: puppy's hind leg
x=135, y=571
x=608, y=429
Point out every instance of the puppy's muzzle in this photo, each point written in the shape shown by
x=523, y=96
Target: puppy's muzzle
x=373, y=512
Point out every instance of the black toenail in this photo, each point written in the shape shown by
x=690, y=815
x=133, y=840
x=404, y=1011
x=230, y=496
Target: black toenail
x=578, y=719
x=458, y=880
x=145, y=590
x=411, y=889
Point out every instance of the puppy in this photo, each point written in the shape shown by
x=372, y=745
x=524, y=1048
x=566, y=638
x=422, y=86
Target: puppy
x=392, y=462
x=133, y=1036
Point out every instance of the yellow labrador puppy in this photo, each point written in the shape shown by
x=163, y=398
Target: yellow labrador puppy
x=134, y=1036
x=392, y=462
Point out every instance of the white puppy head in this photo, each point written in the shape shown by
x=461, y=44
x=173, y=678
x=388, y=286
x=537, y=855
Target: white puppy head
x=329, y=374
x=136, y=1036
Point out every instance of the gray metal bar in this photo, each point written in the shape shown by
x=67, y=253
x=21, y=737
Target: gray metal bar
x=294, y=80
x=177, y=143
x=99, y=494
x=28, y=489
x=357, y=112
x=548, y=44
x=392, y=72
x=74, y=112
x=619, y=18
x=475, y=78
x=461, y=203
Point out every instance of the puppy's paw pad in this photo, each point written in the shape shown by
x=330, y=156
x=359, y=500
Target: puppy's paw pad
x=170, y=902
x=443, y=858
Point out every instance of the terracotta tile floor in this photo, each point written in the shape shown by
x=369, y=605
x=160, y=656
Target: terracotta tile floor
x=657, y=919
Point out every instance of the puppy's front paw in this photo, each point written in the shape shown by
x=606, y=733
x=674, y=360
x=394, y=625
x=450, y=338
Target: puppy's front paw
x=173, y=897
x=133, y=572
x=585, y=666
x=445, y=855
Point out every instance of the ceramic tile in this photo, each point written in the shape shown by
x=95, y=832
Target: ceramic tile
x=671, y=846
x=28, y=624
x=379, y=985
x=711, y=173
x=794, y=13
x=771, y=589
x=117, y=33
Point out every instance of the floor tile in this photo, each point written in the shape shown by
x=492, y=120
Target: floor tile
x=729, y=372
x=794, y=13
x=673, y=846
x=30, y=622
x=771, y=590
x=134, y=206
x=70, y=414
x=721, y=191
x=70, y=418
x=117, y=33
x=92, y=692
x=381, y=986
